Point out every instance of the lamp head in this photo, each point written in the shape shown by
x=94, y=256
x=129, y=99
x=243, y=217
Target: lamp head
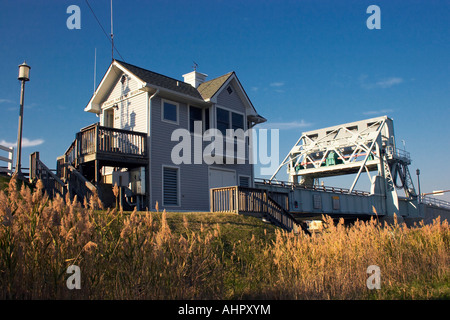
x=24, y=72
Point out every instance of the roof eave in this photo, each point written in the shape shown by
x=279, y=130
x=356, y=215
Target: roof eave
x=257, y=119
x=185, y=97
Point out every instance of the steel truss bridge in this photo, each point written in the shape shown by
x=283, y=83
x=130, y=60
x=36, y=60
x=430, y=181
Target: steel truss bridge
x=362, y=148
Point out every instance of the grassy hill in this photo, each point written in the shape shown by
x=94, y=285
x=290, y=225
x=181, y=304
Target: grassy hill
x=203, y=255
x=233, y=227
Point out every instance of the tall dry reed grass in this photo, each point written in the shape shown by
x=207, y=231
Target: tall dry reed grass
x=138, y=256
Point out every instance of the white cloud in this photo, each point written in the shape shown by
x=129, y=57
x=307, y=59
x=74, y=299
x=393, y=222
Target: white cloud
x=277, y=84
x=285, y=125
x=6, y=101
x=389, y=82
x=385, y=83
x=377, y=112
x=25, y=143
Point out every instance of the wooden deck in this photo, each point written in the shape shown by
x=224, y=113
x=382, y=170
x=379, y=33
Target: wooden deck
x=109, y=145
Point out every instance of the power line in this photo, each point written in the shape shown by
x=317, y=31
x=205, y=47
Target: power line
x=103, y=29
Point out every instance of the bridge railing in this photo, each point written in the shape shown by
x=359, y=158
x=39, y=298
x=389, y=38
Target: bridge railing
x=314, y=187
x=435, y=202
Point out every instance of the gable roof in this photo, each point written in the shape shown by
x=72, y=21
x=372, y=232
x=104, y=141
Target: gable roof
x=149, y=80
x=161, y=80
x=209, y=88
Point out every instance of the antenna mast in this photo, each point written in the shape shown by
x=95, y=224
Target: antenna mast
x=95, y=66
x=112, y=33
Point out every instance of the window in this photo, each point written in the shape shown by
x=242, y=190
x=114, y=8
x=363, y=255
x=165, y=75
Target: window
x=207, y=119
x=237, y=121
x=170, y=186
x=223, y=120
x=195, y=114
x=170, y=112
x=229, y=90
x=229, y=120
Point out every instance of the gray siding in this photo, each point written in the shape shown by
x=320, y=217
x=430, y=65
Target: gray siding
x=230, y=101
x=193, y=178
x=194, y=189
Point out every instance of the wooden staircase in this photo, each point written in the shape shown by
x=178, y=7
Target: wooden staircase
x=72, y=183
x=39, y=171
x=272, y=206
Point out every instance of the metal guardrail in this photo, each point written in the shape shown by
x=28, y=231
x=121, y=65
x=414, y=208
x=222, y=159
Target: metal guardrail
x=398, y=153
x=285, y=184
x=435, y=202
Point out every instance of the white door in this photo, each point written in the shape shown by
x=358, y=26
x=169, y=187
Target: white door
x=221, y=178
x=109, y=118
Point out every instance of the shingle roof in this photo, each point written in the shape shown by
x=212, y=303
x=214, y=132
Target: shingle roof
x=161, y=80
x=209, y=88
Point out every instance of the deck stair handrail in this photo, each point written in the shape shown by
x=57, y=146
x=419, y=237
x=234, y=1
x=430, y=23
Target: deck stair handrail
x=251, y=201
x=39, y=171
x=78, y=184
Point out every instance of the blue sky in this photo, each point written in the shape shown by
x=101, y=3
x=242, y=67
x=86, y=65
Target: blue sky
x=304, y=65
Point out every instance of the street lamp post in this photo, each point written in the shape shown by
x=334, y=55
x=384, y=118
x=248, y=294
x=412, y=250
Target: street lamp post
x=24, y=76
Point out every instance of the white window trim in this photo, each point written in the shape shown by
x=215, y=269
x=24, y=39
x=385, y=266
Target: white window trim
x=162, y=111
x=178, y=186
x=250, y=182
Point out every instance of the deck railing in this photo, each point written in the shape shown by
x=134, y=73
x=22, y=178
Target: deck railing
x=252, y=201
x=103, y=141
x=98, y=139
